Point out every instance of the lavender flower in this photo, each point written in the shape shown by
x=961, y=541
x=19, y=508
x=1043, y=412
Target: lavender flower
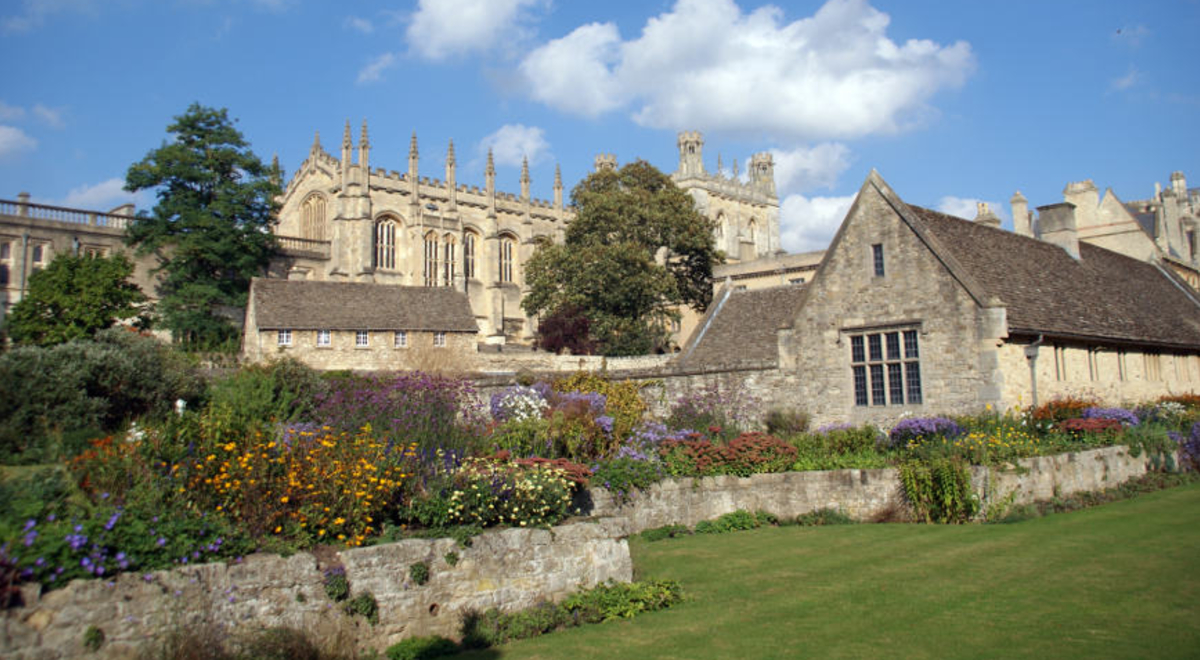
x=1126, y=417
x=923, y=428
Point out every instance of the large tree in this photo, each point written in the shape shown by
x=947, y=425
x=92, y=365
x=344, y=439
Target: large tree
x=210, y=227
x=73, y=297
x=637, y=250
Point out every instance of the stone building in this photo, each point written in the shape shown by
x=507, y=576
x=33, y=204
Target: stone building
x=32, y=234
x=914, y=312
x=1162, y=228
x=349, y=325
x=343, y=221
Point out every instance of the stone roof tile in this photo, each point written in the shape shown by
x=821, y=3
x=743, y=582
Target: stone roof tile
x=308, y=305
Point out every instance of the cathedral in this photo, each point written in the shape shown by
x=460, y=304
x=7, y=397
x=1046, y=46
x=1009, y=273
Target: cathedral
x=342, y=221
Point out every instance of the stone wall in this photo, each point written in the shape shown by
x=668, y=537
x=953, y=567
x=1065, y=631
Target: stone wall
x=861, y=494
x=509, y=569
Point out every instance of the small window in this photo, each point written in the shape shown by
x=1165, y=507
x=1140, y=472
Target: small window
x=39, y=254
x=323, y=338
x=796, y=280
x=439, y=339
x=362, y=338
x=400, y=340
x=877, y=254
x=285, y=338
x=6, y=250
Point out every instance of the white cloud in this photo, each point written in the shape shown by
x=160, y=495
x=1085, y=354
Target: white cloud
x=10, y=112
x=809, y=223
x=512, y=143
x=35, y=12
x=968, y=207
x=14, y=140
x=1126, y=81
x=445, y=28
x=707, y=64
x=102, y=196
x=360, y=24
x=373, y=71
x=808, y=168
x=51, y=117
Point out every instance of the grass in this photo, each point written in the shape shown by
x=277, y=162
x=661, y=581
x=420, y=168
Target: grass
x=1116, y=581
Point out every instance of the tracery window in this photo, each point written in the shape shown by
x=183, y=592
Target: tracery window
x=469, y=241
x=507, y=247
x=448, y=261
x=431, y=259
x=386, y=231
x=312, y=218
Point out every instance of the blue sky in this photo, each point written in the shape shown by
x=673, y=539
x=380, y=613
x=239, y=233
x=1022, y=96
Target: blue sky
x=952, y=102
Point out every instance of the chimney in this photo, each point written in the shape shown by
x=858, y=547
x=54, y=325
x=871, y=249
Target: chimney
x=1057, y=224
x=1179, y=184
x=1086, y=198
x=1020, y=212
x=985, y=216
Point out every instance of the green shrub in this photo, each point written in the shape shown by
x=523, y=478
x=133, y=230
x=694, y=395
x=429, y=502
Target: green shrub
x=939, y=490
x=625, y=474
x=363, y=605
x=282, y=391
x=786, y=422
x=337, y=586
x=451, y=558
x=664, y=532
x=93, y=638
x=422, y=648
x=419, y=572
x=823, y=517
x=279, y=643
x=731, y=522
x=623, y=399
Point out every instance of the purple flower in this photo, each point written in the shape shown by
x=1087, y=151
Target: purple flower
x=923, y=428
x=1126, y=417
x=29, y=524
x=112, y=521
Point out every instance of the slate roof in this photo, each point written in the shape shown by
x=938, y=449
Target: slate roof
x=1104, y=295
x=308, y=305
x=740, y=327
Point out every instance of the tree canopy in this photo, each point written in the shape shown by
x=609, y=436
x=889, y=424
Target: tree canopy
x=637, y=250
x=210, y=227
x=73, y=297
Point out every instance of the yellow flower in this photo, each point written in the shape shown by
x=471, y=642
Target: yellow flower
x=283, y=499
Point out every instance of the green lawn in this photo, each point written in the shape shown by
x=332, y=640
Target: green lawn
x=1117, y=581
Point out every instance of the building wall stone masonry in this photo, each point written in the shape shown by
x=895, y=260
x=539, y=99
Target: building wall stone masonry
x=508, y=569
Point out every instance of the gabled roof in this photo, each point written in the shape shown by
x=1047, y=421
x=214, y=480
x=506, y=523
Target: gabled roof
x=1104, y=296
x=741, y=328
x=308, y=305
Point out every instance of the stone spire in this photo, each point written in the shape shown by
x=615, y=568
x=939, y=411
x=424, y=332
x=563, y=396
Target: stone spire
x=735, y=168
x=316, y=145
x=276, y=171
x=720, y=167
x=364, y=149
x=451, y=177
x=489, y=177
x=347, y=151
x=558, y=188
x=525, y=179
x=412, y=157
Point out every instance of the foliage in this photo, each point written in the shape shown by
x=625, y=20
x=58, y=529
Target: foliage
x=363, y=605
x=1150, y=482
x=939, y=490
x=451, y=558
x=622, y=399
x=422, y=648
x=404, y=407
x=664, y=532
x=337, y=586
x=567, y=328
x=279, y=643
x=93, y=638
x=1061, y=409
x=1094, y=425
x=915, y=430
x=419, y=572
x=839, y=447
x=607, y=266
x=603, y=602
x=782, y=422
x=50, y=397
x=282, y=391
x=734, y=521
x=487, y=492
x=722, y=412
x=1189, y=448
x=517, y=404
x=624, y=474
x=74, y=297
x=822, y=517
x=210, y=229
x=747, y=454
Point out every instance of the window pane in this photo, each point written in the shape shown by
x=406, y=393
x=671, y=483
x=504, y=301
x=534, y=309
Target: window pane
x=860, y=385
x=875, y=344
x=856, y=349
x=913, y=376
x=893, y=345
x=910, y=344
x=895, y=383
x=877, y=387
x=877, y=251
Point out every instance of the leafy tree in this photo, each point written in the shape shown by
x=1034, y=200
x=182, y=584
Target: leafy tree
x=73, y=297
x=636, y=251
x=210, y=228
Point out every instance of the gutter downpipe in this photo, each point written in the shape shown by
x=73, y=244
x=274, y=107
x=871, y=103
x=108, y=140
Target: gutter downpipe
x=1031, y=354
